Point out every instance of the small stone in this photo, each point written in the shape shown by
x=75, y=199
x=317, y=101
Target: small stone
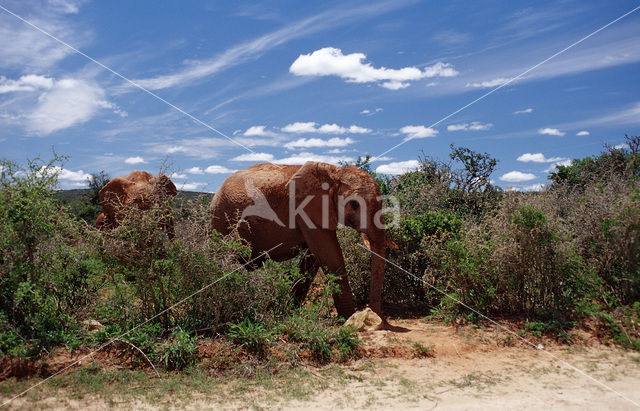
x=93, y=325
x=365, y=320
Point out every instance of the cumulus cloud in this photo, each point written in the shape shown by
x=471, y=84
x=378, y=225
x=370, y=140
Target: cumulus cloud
x=317, y=142
x=534, y=187
x=418, y=132
x=525, y=111
x=29, y=82
x=216, y=169
x=565, y=162
x=195, y=170
x=255, y=48
x=258, y=131
x=300, y=127
x=398, y=167
x=489, y=83
x=517, y=177
x=191, y=186
x=582, y=133
x=551, y=132
x=312, y=127
x=303, y=157
x=134, y=160
x=474, y=126
x=330, y=61
x=538, y=158
x=65, y=174
x=67, y=103
x=254, y=157
x=210, y=147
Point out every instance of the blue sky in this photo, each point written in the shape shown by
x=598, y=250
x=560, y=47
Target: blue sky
x=295, y=81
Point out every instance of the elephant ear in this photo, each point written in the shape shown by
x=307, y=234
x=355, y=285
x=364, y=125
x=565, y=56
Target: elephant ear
x=164, y=186
x=315, y=185
x=113, y=195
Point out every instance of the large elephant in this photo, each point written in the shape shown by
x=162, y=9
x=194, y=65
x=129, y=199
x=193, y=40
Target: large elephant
x=299, y=207
x=139, y=189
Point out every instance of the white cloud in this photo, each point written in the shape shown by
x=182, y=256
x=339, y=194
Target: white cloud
x=177, y=175
x=65, y=174
x=621, y=146
x=368, y=112
x=303, y=157
x=317, y=142
x=254, y=49
x=538, y=158
x=398, y=167
x=474, y=126
x=135, y=160
x=67, y=103
x=418, y=132
x=300, y=127
x=517, y=177
x=311, y=127
x=565, y=162
x=29, y=82
x=215, y=169
x=534, y=187
x=258, y=131
x=66, y=6
x=210, y=147
x=525, y=111
x=582, y=133
x=394, y=85
x=489, y=83
x=254, y=157
x=551, y=132
x=330, y=61
x=25, y=49
x=195, y=170
x=191, y=186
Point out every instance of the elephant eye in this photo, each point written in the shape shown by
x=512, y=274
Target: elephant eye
x=355, y=205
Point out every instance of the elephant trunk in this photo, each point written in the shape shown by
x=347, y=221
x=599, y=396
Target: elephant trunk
x=377, y=244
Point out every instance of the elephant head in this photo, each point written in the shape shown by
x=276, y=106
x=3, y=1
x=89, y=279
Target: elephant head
x=346, y=195
x=138, y=189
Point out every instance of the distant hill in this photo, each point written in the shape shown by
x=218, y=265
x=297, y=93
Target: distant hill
x=68, y=196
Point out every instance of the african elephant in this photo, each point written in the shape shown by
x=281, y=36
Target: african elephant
x=139, y=189
x=300, y=207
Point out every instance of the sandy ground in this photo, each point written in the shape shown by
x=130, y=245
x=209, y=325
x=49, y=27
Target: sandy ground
x=465, y=369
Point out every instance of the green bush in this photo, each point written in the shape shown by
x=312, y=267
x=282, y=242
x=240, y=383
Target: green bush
x=179, y=351
x=46, y=269
x=254, y=336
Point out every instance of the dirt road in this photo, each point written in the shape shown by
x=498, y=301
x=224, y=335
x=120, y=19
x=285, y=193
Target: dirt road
x=417, y=365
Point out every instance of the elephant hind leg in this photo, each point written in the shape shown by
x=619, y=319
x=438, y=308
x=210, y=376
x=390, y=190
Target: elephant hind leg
x=308, y=269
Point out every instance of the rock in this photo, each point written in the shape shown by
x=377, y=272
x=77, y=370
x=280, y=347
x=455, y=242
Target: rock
x=365, y=320
x=93, y=325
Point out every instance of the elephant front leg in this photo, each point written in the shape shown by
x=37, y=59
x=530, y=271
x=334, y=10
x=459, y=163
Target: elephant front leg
x=308, y=269
x=325, y=247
